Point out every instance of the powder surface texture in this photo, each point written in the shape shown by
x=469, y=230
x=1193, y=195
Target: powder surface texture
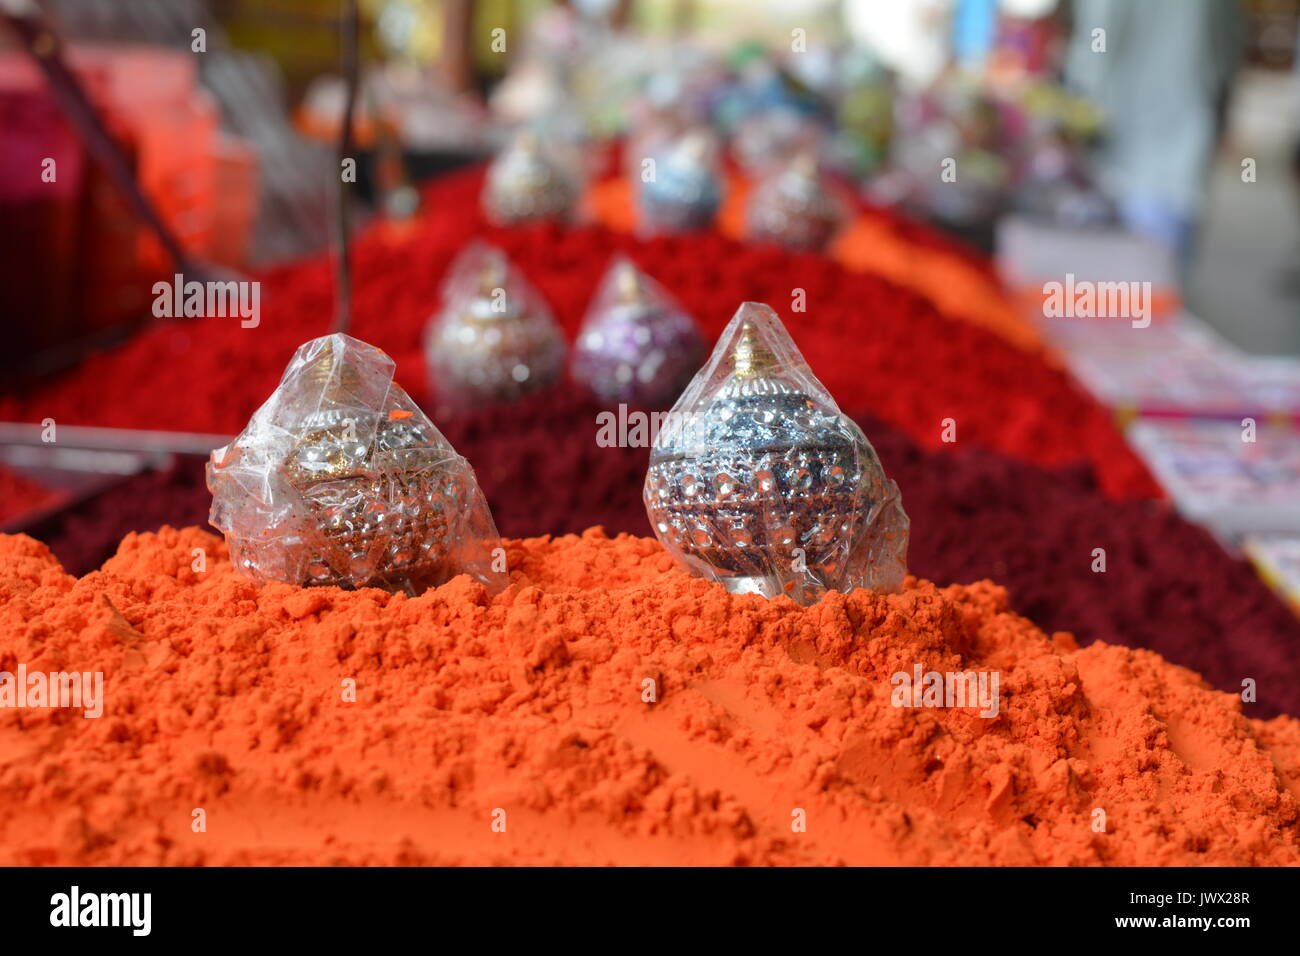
x=975, y=514
x=771, y=737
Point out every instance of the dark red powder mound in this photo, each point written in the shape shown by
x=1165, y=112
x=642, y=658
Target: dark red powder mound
x=975, y=514
x=875, y=345
x=85, y=536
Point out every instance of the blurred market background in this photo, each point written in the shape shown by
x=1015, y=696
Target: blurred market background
x=969, y=153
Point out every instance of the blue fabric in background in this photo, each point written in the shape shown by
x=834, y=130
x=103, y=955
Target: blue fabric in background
x=974, y=28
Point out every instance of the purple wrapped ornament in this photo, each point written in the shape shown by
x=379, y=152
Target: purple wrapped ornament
x=636, y=345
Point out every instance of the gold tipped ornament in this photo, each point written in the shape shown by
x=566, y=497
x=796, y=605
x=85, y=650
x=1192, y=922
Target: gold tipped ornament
x=758, y=481
x=526, y=183
x=494, y=339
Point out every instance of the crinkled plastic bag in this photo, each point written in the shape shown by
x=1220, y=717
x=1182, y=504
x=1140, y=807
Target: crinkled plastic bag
x=340, y=479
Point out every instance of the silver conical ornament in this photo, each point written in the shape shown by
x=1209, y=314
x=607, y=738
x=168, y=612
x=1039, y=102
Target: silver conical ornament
x=758, y=480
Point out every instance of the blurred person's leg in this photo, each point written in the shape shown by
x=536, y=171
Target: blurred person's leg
x=1161, y=222
x=1295, y=102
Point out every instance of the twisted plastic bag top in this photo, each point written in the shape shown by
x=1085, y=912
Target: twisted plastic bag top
x=494, y=337
x=758, y=481
x=340, y=479
x=637, y=344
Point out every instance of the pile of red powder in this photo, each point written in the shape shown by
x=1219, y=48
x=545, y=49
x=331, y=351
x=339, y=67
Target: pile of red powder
x=606, y=708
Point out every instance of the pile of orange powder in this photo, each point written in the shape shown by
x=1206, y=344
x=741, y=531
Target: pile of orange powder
x=606, y=708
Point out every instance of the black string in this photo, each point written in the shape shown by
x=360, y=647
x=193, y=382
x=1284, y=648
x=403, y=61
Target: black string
x=349, y=30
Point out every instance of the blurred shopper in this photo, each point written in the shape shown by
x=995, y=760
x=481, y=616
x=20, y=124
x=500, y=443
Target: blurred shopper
x=1295, y=102
x=1162, y=78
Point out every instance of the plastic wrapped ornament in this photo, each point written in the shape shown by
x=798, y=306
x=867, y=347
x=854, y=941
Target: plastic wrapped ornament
x=767, y=141
x=340, y=479
x=525, y=183
x=685, y=189
x=758, y=481
x=650, y=136
x=494, y=338
x=636, y=344
x=795, y=208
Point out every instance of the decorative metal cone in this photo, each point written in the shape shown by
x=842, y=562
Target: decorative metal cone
x=494, y=338
x=758, y=481
x=794, y=208
x=339, y=478
x=524, y=183
x=685, y=190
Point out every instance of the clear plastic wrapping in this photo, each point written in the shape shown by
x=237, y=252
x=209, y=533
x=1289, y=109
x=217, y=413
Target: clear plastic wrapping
x=494, y=338
x=758, y=481
x=636, y=344
x=340, y=479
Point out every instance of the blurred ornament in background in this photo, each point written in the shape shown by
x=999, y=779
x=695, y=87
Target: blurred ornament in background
x=340, y=479
x=655, y=119
x=795, y=207
x=924, y=175
x=973, y=198
x=758, y=481
x=636, y=344
x=680, y=188
x=771, y=139
x=526, y=183
x=494, y=338
x=763, y=84
x=532, y=88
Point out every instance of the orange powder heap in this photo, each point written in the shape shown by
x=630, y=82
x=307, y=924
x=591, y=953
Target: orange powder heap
x=771, y=737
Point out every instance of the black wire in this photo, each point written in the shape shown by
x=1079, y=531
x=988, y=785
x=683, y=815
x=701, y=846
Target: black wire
x=349, y=30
